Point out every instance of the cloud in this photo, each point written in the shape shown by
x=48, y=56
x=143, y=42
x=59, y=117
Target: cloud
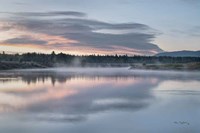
x=47, y=14
x=21, y=3
x=87, y=33
x=24, y=40
x=5, y=28
x=59, y=118
x=191, y=32
x=194, y=31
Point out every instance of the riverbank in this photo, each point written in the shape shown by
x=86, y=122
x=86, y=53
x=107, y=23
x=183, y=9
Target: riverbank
x=175, y=66
x=159, y=66
x=8, y=65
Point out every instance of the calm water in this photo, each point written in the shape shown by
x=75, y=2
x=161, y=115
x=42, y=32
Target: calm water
x=103, y=100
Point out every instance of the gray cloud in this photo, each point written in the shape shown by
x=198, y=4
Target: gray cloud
x=101, y=40
x=191, y=32
x=47, y=14
x=24, y=40
x=90, y=33
x=57, y=118
x=194, y=31
x=21, y=3
x=5, y=28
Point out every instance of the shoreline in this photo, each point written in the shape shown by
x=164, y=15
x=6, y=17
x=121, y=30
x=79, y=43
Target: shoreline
x=195, y=66
x=137, y=66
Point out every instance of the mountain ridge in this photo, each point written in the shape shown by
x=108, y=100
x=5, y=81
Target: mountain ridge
x=183, y=53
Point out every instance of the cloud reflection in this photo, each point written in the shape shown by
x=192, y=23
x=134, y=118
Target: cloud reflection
x=74, y=97
x=69, y=96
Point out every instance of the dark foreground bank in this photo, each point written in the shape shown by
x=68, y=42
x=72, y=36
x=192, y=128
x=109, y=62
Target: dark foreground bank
x=195, y=66
x=19, y=65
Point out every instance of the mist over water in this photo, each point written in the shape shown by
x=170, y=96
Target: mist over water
x=108, y=100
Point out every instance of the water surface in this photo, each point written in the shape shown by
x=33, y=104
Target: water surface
x=99, y=100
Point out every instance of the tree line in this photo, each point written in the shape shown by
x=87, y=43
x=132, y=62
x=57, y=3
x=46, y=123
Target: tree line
x=62, y=58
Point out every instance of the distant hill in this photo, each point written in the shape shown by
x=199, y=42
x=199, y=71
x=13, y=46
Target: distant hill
x=183, y=53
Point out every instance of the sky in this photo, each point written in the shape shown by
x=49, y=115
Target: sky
x=142, y=27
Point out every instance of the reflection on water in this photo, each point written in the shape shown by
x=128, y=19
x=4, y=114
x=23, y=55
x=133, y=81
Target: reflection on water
x=99, y=100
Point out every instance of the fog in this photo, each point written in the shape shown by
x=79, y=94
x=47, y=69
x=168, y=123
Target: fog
x=63, y=74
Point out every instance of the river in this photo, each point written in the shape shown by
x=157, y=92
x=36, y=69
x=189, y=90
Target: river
x=99, y=100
